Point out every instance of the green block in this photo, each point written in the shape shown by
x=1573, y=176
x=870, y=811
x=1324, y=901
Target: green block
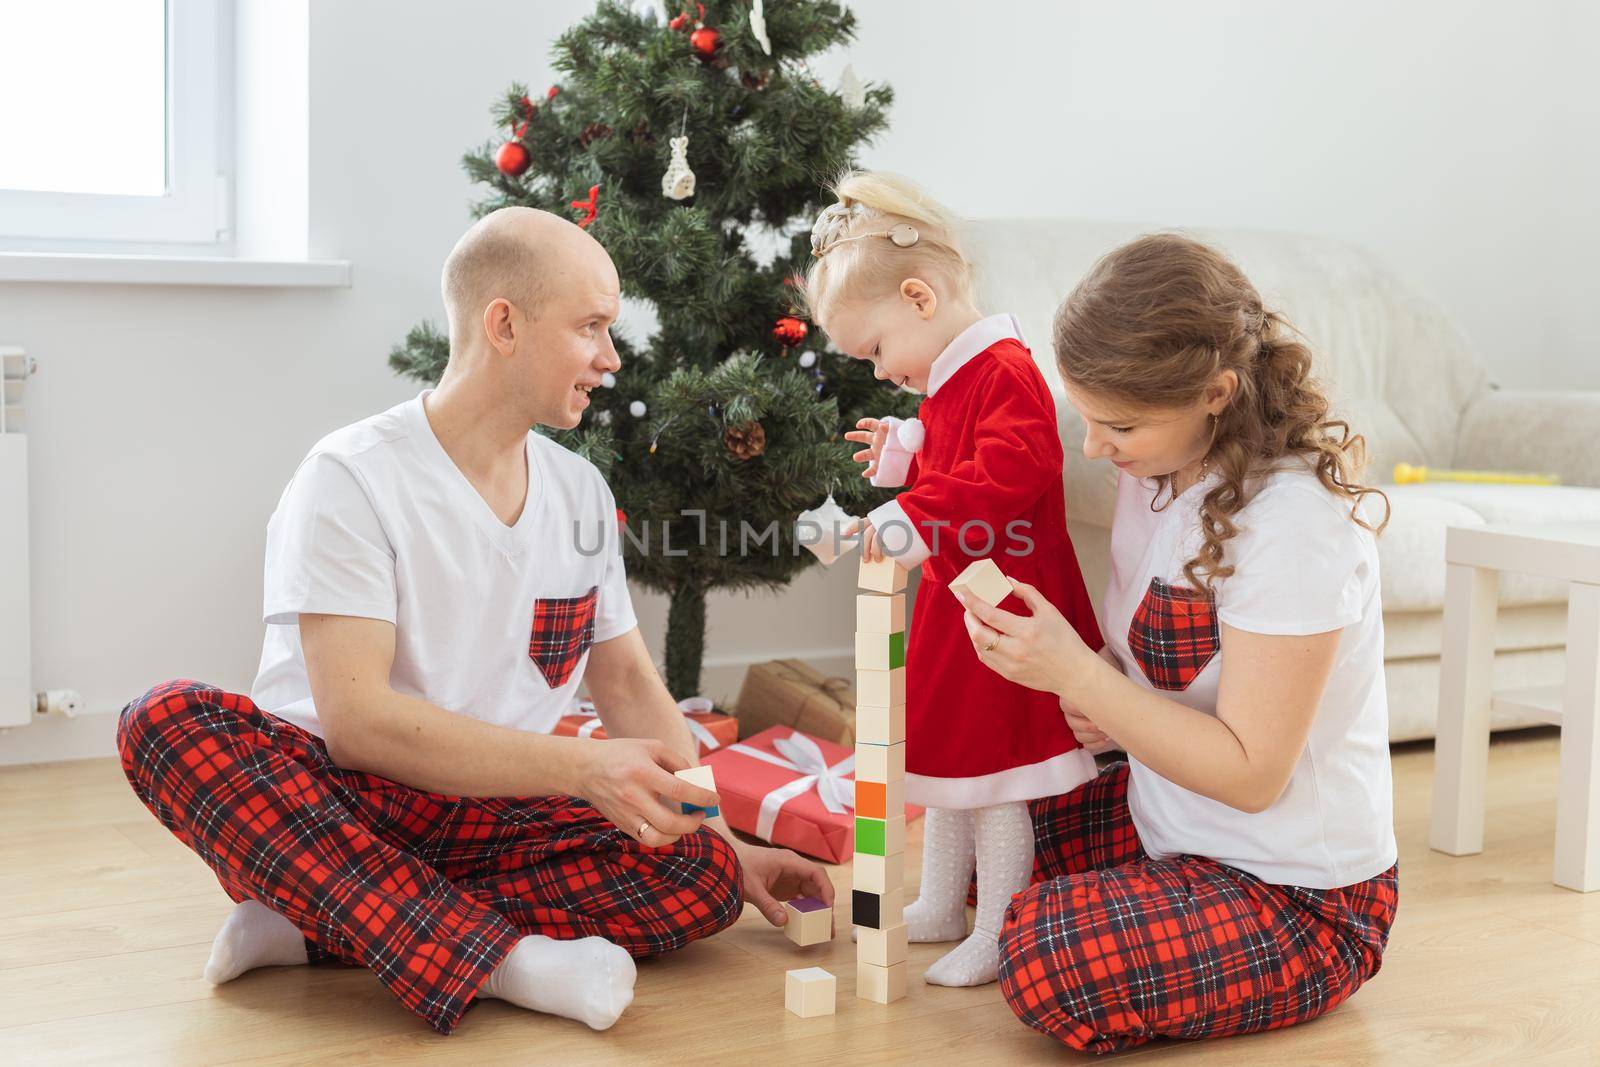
x=897, y=649
x=869, y=836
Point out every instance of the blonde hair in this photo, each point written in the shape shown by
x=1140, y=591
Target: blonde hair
x=854, y=259
x=1154, y=322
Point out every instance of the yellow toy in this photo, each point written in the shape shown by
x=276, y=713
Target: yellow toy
x=1406, y=474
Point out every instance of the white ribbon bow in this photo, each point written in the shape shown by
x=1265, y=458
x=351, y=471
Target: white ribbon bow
x=836, y=791
x=688, y=705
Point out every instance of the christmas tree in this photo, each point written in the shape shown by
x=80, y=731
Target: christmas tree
x=695, y=146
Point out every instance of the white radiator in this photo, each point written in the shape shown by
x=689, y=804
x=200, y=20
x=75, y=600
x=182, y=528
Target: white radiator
x=16, y=689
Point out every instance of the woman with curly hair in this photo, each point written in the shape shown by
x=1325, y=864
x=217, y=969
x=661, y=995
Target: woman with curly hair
x=1238, y=871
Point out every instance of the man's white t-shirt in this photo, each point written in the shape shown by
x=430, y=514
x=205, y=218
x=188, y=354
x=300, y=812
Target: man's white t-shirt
x=491, y=621
x=1302, y=567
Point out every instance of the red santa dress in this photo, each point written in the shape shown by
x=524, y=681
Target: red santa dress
x=987, y=482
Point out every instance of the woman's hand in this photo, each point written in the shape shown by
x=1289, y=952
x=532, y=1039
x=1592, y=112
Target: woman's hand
x=774, y=875
x=873, y=433
x=1041, y=651
x=1088, y=734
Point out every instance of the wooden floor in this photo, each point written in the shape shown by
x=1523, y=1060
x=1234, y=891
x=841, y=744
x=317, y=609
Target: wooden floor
x=107, y=920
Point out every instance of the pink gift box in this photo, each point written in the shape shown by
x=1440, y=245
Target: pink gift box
x=722, y=729
x=754, y=772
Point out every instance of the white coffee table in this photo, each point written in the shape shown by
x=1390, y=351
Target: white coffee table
x=1474, y=556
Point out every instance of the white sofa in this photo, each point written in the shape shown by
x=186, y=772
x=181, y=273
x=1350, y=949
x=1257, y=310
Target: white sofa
x=1406, y=378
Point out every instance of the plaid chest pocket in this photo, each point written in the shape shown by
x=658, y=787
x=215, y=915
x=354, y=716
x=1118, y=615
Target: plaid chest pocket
x=1174, y=634
x=563, y=630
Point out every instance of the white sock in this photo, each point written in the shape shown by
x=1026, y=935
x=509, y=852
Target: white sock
x=1004, y=838
x=590, y=979
x=940, y=911
x=253, y=936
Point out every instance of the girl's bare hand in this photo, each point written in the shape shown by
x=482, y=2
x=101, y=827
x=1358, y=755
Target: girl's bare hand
x=871, y=544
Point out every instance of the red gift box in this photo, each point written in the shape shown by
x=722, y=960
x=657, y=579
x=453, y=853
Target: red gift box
x=711, y=729
x=778, y=786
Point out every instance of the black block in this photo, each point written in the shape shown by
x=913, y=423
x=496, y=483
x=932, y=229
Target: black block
x=864, y=909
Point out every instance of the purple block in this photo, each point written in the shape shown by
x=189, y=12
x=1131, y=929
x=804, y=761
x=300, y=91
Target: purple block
x=807, y=904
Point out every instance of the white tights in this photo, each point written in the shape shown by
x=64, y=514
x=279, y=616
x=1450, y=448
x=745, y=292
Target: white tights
x=998, y=841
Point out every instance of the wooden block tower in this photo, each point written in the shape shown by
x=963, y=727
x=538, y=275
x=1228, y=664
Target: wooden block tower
x=878, y=894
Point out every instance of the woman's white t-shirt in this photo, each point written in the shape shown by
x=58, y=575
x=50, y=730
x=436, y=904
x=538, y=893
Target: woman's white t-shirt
x=491, y=621
x=1302, y=566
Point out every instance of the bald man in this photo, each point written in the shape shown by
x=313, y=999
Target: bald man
x=389, y=794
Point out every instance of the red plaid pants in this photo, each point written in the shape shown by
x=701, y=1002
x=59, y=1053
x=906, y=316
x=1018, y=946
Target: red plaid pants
x=1110, y=948
x=427, y=891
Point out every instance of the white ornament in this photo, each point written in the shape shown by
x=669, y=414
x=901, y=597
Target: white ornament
x=821, y=530
x=758, y=25
x=808, y=359
x=850, y=87
x=608, y=380
x=637, y=409
x=678, y=182
x=603, y=418
x=652, y=11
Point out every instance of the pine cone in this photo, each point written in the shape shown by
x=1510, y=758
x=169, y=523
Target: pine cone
x=642, y=134
x=747, y=440
x=595, y=131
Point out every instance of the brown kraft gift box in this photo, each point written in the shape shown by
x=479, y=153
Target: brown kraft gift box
x=789, y=692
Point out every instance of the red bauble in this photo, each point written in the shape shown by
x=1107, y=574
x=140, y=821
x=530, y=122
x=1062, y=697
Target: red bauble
x=704, y=41
x=513, y=159
x=789, y=331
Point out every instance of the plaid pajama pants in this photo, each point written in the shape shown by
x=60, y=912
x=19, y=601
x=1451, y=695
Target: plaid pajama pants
x=427, y=891
x=1110, y=948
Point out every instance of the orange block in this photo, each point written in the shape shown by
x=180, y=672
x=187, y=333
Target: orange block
x=872, y=800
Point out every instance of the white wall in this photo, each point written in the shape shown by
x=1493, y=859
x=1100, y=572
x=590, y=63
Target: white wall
x=1457, y=140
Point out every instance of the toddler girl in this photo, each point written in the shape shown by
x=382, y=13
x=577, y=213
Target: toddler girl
x=890, y=284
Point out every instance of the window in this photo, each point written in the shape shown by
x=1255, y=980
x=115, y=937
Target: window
x=109, y=122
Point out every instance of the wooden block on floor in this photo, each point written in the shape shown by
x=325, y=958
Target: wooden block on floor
x=984, y=580
x=702, y=777
x=880, y=837
x=883, y=576
x=882, y=985
x=881, y=948
x=880, y=763
x=878, y=874
x=880, y=652
x=809, y=992
x=878, y=614
x=881, y=725
x=881, y=689
x=810, y=921
x=880, y=800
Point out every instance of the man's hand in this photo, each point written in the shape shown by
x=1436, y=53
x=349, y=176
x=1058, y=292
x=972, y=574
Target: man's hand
x=774, y=875
x=625, y=779
x=873, y=433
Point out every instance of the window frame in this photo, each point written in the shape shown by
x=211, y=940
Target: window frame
x=194, y=210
